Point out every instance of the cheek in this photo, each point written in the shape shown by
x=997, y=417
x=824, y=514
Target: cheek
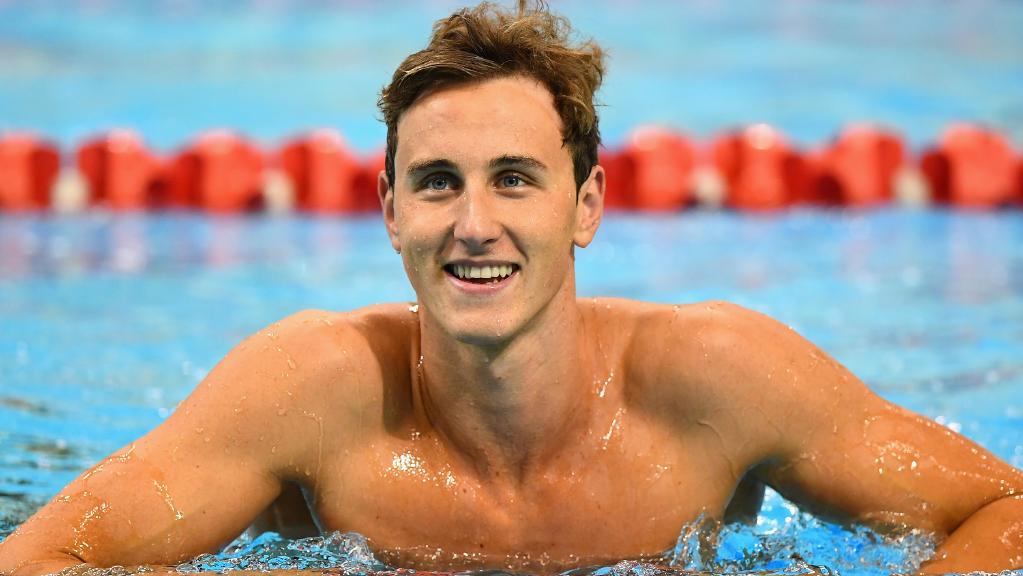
x=557, y=228
x=421, y=238
x=415, y=227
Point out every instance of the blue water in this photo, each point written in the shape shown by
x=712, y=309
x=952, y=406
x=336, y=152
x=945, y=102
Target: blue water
x=270, y=68
x=109, y=321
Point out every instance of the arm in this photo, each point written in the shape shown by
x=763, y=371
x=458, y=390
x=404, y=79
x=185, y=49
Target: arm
x=192, y=484
x=831, y=445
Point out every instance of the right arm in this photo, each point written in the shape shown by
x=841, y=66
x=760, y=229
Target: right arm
x=195, y=482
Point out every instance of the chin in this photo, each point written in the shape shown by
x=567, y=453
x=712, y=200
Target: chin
x=482, y=337
x=481, y=328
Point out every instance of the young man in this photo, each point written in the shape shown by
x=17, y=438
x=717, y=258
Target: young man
x=499, y=420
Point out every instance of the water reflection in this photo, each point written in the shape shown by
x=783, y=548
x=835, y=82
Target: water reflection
x=106, y=319
x=984, y=258
x=35, y=246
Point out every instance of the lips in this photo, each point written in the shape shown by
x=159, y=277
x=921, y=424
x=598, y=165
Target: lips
x=481, y=274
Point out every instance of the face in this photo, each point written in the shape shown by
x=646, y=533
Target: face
x=484, y=209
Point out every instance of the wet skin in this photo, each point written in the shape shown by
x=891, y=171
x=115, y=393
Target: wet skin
x=507, y=423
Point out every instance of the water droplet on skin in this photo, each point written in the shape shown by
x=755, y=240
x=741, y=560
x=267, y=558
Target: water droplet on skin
x=602, y=389
x=291, y=363
x=413, y=308
x=281, y=412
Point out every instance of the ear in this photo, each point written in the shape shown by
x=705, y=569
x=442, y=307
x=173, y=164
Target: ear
x=386, y=193
x=589, y=207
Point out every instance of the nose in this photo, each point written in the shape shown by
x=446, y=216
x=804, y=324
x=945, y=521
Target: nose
x=475, y=224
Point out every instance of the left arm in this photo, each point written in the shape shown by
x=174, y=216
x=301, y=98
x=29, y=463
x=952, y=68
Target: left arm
x=839, y=450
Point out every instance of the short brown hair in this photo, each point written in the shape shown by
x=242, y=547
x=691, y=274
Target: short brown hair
x=486, y=42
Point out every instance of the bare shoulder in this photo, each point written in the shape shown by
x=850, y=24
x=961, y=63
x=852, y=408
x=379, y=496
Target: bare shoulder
x=317, y=355
x=312, y=374
x=329, y=341
x=675, y=345
x=715, y=359
x=275, y=410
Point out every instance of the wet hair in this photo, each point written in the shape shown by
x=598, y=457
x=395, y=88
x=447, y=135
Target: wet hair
x=487, y=42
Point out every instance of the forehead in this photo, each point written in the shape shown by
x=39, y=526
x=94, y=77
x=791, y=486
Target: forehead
x=477, y=122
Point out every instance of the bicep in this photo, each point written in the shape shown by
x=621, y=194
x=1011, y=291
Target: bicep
x=196, y=481
x=189, y=486
x=167, y=497
x=813, y=431
x=844, y=452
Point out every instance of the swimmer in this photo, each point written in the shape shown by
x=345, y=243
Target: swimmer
x=500, y=422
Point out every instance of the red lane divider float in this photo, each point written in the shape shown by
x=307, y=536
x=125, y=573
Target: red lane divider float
x=1019, y=180
x=220, y=172
x=761, y=170
x=654, y=171
x=367, y=180
x=327, y=177
x=972, y=168
x=858, y=169
x=657, y=169
x=28, y=170
x=121, y=173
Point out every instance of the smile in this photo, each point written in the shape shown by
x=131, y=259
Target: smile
x=481, y=274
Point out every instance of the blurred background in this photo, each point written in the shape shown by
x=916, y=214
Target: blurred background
x=274, y=68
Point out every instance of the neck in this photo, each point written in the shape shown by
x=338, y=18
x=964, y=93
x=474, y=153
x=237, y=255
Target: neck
x=507, y=407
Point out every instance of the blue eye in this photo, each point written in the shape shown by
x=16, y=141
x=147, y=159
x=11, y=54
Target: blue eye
x=511, y=181
x=438, y=183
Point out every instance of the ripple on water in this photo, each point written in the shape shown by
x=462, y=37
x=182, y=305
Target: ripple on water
x=799, y=544
x=796, y=544
x=346, y=552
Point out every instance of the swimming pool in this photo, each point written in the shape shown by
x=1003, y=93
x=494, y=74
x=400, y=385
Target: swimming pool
x=270, y=68
x=108, y=321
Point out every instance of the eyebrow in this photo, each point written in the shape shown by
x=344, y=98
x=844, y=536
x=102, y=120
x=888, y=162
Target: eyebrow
x=517, y=162
x=423, y=167
x=418, y=169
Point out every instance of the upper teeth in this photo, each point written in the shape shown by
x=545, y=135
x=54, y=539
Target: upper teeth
x=463, y=271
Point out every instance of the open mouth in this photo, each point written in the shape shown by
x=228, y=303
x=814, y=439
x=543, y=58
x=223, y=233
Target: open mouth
x=481, y=274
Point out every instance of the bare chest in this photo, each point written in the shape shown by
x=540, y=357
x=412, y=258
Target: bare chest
x=623, y=499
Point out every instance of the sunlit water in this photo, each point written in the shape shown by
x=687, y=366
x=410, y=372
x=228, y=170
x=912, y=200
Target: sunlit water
x=108, y=322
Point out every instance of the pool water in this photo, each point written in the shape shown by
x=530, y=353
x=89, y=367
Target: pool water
x=109, y=321
x=270, y=68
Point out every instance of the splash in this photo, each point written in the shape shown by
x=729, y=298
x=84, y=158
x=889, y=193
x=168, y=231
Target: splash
x=797, y=543
x=784, y=541
x=348, y=553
